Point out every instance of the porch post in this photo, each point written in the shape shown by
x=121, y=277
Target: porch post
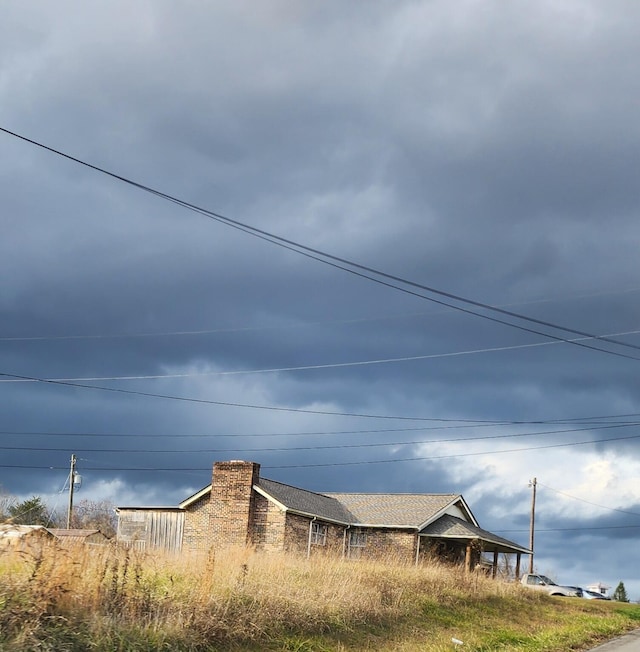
x=517, y=567
x=467, y=560
x=494, y=568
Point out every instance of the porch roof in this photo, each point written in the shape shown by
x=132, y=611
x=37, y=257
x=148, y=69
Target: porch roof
x=451, y=527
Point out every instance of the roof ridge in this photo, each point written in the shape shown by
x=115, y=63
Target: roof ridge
x=385, y=493
x=284, y=484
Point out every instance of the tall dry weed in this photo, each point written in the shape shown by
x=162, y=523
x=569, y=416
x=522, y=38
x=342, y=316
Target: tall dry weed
x=189, y=601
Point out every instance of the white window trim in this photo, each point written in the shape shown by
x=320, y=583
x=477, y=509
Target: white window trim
x=318, y=535
x=357, y=539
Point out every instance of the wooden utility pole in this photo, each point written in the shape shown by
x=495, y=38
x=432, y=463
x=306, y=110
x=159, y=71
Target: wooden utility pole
x=532, y=484
x=72, y=480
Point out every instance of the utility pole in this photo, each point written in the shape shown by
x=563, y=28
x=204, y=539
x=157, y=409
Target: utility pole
x=532, y=483
x=72, y=480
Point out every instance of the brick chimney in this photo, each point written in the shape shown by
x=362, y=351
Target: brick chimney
x=232, y=502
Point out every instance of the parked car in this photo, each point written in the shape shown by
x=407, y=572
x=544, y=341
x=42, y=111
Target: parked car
x=594, y=595
x=543, y=583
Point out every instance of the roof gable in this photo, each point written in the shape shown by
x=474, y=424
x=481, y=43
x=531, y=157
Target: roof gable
x=194, y=498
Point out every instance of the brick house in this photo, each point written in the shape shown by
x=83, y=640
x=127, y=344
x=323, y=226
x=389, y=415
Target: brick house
x=241, y=508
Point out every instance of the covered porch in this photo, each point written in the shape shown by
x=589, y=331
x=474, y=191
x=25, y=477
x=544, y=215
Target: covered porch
x=457, y=541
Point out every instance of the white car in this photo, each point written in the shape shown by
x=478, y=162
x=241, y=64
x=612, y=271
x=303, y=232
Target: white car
x=594, y=595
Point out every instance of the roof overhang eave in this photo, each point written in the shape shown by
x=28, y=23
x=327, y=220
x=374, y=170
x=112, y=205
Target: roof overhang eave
x=318, y=517
x=195, y=497
x=386, y=526
x=152, y=508
x=490, y=546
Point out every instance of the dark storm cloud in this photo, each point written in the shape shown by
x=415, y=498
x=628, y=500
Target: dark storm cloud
x=481, y=149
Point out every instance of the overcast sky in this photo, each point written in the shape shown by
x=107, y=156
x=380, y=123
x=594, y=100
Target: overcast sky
x=486, y=150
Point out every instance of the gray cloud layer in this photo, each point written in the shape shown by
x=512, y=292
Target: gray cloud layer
x=483, y=149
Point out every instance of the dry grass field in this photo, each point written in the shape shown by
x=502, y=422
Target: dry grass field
x=105, y=599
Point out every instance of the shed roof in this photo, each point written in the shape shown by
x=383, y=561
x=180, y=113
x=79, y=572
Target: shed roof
x=13, y=531
x=152, y=508
x=75, y=533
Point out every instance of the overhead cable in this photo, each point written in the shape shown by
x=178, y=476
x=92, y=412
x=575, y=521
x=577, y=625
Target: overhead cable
x=429, y=458
x=352, y=267
x=315, y=367
x=264, y=449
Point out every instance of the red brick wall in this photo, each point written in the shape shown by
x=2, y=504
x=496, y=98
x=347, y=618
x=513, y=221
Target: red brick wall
x=232, y=504
x=268, y=527
x=397, y=545
x=197, y=535
x=296, y=537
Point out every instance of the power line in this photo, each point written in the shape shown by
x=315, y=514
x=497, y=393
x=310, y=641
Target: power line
x=574, y=529
x=335, y=365
x=315, y=433
x=596, y=423
x=352, y=267
x=345, y=464
x=443, y=457
x=326, y=322
x=595, y=420
x=322, y=447
x=202, y=401
x=582, y=500
x=129, y=435
x=118, y=390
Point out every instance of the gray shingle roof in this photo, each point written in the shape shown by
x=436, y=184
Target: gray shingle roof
x=306, y=502
x=394, y=510
x=452, y=527
x=386, y=510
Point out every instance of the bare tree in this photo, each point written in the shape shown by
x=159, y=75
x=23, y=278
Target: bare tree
x=6, y=501
x=95, y=515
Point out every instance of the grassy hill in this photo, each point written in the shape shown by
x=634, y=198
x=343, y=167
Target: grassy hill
x=99, y=598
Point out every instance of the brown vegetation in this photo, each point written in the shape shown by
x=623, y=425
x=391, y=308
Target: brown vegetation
x=105, y=598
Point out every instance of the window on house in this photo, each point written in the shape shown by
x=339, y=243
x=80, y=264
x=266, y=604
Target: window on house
x=357, y=543
x=318, y=534
x=357, y=539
